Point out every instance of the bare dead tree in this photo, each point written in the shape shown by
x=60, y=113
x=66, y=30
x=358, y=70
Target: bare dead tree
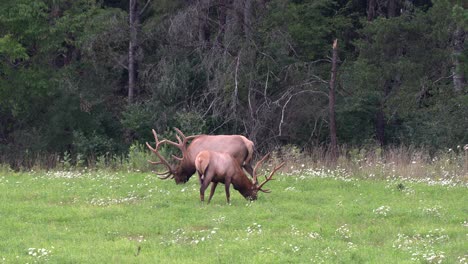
x=459, y=37
x=203, y=7
x=134, y=21
x=392, y=8
x=222, y=22
x=371, y=6
x=248, y=19
x=331, y=104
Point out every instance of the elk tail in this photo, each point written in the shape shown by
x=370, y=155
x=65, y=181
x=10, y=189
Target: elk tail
x=250, y=149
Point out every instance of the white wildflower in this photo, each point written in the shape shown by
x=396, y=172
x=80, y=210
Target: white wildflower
x=343, y=231
x=382, y=210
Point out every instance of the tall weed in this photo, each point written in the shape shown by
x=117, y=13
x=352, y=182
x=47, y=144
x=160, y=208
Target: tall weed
x=367, y=162
x=377, y=162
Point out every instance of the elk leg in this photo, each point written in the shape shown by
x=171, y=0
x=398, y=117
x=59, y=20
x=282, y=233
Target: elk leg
x=227, y=183
x=204, y=184
x=200, y=178
x=213, y=187
x=202, y=196
x=203, y=187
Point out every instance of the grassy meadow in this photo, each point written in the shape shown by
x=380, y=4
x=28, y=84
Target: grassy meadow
x=311, y=216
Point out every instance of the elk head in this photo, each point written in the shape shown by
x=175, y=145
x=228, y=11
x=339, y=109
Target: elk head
x=256, y=187
x=179, y=173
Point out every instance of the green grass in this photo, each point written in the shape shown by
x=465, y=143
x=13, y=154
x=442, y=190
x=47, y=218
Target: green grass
x=110, y=217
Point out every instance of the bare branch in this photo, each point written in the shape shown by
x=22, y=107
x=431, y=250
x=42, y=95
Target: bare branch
x=121, y=64
x=236, y=88
x=266, y=86
x=282, y=115
x=144, y=8
x=283, y=109
x=443, y=77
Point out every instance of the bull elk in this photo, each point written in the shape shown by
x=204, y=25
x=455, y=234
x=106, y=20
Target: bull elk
x=215, y=167
x=238, y=146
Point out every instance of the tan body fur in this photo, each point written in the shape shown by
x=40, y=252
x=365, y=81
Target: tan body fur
x=215, y=167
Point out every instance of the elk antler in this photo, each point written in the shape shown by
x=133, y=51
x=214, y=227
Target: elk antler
x=257, y=165
x=267, y=179
x=162, y=160
x=182, y=143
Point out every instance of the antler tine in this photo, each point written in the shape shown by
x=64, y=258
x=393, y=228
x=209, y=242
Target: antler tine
x=155, y=137
x=155, y=162
x=181, y=140
x=164, y=176
x=257, y=165
x=269, y=177
x=178, y=145
x=177, y=158
x=156, y=140
x=150, y=147
x=179, y=132
x=184, y=138
x=182, y=143
x=162, y=173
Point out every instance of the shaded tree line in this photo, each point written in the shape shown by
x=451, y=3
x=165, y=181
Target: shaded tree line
x=89, y=78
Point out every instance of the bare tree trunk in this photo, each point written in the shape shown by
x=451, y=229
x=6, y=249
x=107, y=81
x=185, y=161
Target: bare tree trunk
x=371, y=6
x=391, y=8
x=222, y=22
x=459, y=81
x=203, y=30
x=264, y=2
x=235, y=94
x=391, y=86
x=331, y=103
x=380, y=126
x=248, y=19
x=132, y=49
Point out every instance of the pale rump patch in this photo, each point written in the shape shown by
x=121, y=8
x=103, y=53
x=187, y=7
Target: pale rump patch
x=201, y=162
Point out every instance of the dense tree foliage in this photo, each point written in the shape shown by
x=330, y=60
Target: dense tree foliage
x=255, y=67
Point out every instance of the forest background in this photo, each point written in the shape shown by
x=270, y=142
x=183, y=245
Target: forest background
x=87, y=79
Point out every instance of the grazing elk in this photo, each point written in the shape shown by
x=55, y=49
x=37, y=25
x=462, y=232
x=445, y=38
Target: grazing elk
x=236, y=145
x=215, y=167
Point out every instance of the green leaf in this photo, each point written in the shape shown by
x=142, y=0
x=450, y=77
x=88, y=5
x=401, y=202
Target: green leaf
x=12, y=49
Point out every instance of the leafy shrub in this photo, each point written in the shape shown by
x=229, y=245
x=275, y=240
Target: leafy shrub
x=90, y=147
x=139, y=155
x=191, y=123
